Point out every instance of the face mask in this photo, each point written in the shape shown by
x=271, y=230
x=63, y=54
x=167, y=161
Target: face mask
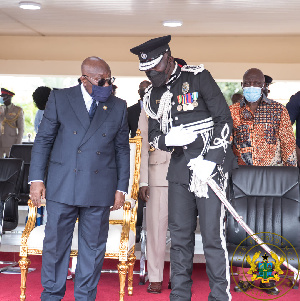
x=1, y=100
x=252, y=94
x=101, y=93
x=158, y=78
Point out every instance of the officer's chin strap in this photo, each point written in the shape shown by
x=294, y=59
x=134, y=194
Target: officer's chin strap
x=221, y=195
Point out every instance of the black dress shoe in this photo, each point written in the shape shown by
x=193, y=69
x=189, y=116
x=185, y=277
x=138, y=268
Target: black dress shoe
x=244, y=286
x=270, y=288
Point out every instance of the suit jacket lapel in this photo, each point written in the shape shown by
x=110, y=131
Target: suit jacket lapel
x=77, y=103
x=102, y=112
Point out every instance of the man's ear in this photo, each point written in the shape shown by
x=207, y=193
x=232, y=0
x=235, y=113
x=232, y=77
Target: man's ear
x=83, y=80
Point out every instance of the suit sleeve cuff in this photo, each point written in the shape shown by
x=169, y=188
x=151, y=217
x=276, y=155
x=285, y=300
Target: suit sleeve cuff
x=124, y=193
x=35, y=181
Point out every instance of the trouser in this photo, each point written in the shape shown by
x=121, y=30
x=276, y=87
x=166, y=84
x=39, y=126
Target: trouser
x=92, y=235
x=157, y=225
x=183, y=209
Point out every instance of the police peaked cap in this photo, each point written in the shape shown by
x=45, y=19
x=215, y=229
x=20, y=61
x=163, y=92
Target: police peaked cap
x=151, y=52
x=6, y=92
x=268, y=79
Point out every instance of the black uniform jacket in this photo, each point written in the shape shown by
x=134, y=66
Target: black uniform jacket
x=133, y=118
x=211, y=103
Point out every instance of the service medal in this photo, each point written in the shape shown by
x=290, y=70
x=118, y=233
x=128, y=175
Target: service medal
x=104, y=108
x=179, y=108
x=185, y=107
x=195, y=104
x=190, y=107
x=185, y=87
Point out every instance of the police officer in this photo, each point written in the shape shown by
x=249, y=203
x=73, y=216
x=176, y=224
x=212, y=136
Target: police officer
x=11, y=121
x=190, y=118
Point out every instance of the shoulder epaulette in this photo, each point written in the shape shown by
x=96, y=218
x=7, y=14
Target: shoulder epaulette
x=193, y=68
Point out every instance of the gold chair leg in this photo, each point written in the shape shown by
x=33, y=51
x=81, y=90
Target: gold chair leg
x=24, y=263
x=123, y=269
x=131, y=262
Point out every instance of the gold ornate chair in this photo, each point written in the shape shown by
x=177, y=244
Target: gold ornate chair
x=121, y=236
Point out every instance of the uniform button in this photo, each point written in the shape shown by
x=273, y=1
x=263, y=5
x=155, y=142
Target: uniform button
x=79, y=151
x=173, y=103
x=98, y=153
x=96, y=171
x=75, y=132
x=185, y=147
x=176, y=117
x=104, y=135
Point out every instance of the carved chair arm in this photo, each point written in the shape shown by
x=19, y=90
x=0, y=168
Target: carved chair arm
x=30, y=225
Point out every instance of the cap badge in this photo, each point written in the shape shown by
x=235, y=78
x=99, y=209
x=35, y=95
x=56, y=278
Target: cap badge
x=185, y=87
x=143, y=56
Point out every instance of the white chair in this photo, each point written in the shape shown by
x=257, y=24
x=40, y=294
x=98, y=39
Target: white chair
x=121, y=236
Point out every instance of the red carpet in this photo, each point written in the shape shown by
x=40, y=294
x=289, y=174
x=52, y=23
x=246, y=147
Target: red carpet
x=108, y=287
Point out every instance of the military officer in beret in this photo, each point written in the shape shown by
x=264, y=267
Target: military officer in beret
x=190, y=118
x=12, y=123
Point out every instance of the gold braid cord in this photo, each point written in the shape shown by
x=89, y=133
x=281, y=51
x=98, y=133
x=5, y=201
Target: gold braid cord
x=10, y=122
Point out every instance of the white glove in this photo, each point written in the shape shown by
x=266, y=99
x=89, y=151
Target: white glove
x=178, y=136
x=203, y=169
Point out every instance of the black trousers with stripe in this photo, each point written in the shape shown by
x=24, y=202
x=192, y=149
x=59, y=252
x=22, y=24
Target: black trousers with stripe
x=184, y=207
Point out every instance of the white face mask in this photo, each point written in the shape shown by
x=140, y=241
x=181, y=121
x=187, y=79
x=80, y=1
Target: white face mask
x=252, y=94
x=1, y=100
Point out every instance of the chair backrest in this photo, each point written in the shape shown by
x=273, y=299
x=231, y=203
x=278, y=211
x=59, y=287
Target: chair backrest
x=9, y=178
x=135, y=162
x=268, y=200
x=133, y=187
x=23, y=151
x=9, y=175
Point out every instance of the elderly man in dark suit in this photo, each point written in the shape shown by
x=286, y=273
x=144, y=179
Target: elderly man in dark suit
x=84, y=135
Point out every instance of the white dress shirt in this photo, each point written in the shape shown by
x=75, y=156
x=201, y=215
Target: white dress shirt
x=88, y=100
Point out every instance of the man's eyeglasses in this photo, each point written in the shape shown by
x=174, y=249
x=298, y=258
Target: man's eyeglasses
x=102, y=81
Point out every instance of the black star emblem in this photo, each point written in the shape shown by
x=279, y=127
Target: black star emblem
x=265, y=257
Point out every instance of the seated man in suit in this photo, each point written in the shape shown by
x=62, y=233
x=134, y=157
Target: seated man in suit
x=84, y=133
x=135, y=110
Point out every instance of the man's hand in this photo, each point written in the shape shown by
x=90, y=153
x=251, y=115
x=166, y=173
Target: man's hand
x=37, y=193
x=178, y=136
x=119, y=200
x=144, y=193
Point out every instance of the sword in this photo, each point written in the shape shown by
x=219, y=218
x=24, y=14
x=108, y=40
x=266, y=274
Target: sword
x=221, y=195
